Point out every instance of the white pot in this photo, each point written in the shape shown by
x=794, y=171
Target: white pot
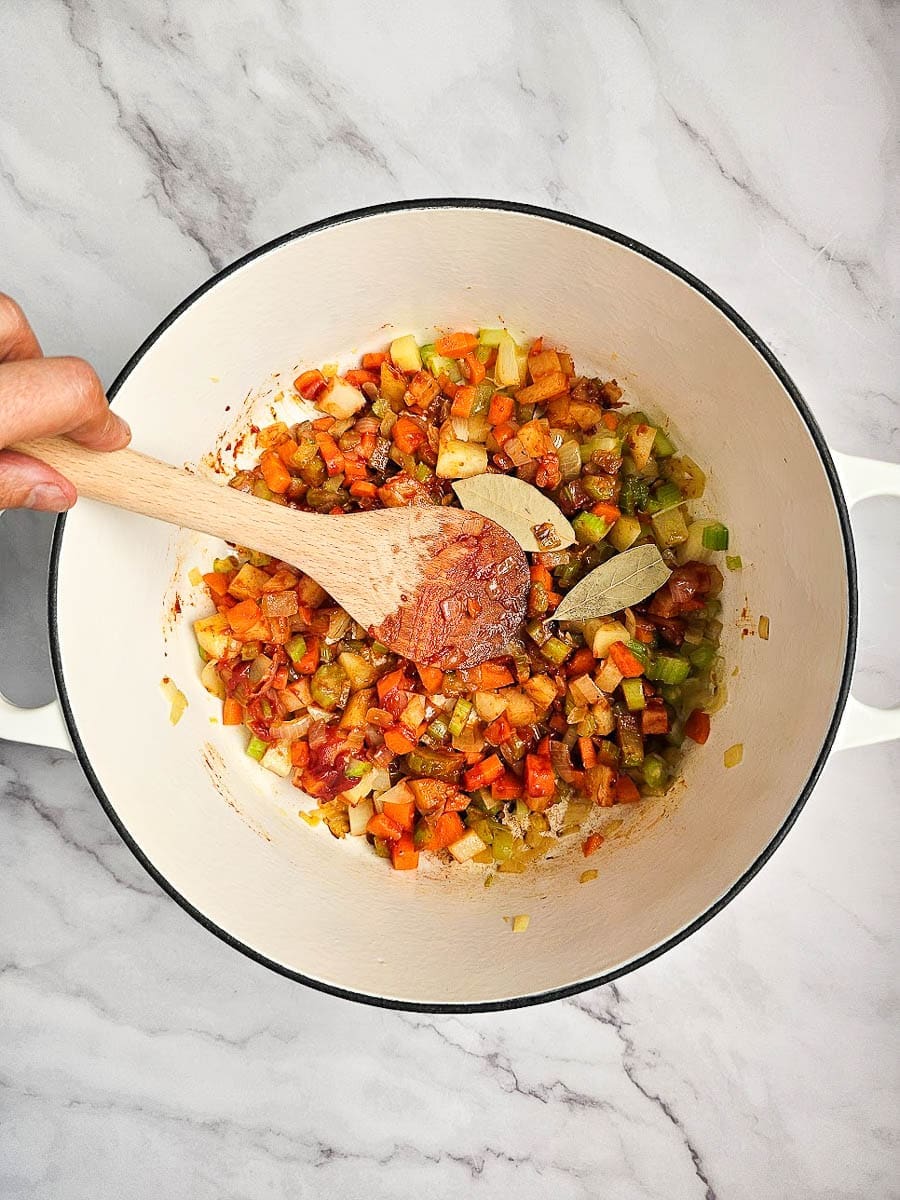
x=223, y=837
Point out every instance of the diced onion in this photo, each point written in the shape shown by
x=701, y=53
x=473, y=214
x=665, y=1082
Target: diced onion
x=177, y=700
x=520, y=923
x=734, y=754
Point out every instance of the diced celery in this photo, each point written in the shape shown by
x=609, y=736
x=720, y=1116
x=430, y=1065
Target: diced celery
x=633, y=691
x=667, y=495
x=437, y=364
x=356, y=768
x=634, y=494
x=663, y=447
x=689, y=477
x=702, y=656
x=491, y=337
x=556, y=651
x=670, y=527
x=502, y=845
x=669, y=668
x=590, y=529
x=256, y=748
x=715, y=537
x=296, y=647
x=733, y=562
x=460, y=716
x=625, y=533
x=656, y=772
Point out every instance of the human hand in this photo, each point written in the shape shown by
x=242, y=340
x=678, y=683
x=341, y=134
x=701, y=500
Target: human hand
x=42, y=396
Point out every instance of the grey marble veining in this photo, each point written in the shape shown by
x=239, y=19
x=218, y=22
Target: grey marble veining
x=142, y=147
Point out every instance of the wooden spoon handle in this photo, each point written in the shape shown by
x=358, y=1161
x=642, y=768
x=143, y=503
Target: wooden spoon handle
x=145, y=485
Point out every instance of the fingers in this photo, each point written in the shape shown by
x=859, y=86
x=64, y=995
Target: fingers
x=27, y=483
x=46, y=396
x=17, y=340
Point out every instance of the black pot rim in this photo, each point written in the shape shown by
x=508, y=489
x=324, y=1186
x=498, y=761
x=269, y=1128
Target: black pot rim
x=840, y=699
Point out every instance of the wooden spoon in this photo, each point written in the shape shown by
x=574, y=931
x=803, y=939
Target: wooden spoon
x=441, y=586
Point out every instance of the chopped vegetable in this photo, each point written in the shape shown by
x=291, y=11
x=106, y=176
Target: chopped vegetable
x=577, y=712
x=734, y=755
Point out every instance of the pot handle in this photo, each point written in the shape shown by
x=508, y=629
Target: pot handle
x=862, y=478
x=42, y=726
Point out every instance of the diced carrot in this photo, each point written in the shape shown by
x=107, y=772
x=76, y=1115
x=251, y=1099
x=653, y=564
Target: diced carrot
x=309, y=384
x=581, y=662
x=475, y=369
x=543, y=746
x=397, y=741
x=539, y=777
x=354, y=468
x=498, y=731
x=588, y=752
x=696, y=727
x=286, y=450
x=310, y=660
x=495, y=675
x=504, y=432
x=432, y=678
x=328, y=448
x=407, y=434
x=626, y=790
x=401, y=811
x=363, y=490
x=448, y=828
x=501, y=409
x=217, y=583
x=323, y=424
x=448, y=387
x=275, y=472
x=299, y=753
x=456, y=345
x=390, y=683
x=610, y=420
x=536, y=347
x=383, y=826
x=232, y=712
x=373, y=361
x=404, y=855
x=483, y=773
x=630, y=666
x=243, y=616
x=358, y=378
x=609, y=512
x=506, y=787
x=591, y=844
x=462, y=402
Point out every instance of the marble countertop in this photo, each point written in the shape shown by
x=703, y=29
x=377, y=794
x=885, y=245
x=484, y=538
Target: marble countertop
x=144, y=146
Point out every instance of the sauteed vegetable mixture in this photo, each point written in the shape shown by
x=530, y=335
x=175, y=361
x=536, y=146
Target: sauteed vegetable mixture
x=499, y=762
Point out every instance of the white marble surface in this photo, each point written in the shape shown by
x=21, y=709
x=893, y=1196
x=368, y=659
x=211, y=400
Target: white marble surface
x=142, y=146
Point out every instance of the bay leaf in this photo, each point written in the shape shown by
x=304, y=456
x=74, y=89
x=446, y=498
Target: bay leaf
x=621, y=581
x=516, y=506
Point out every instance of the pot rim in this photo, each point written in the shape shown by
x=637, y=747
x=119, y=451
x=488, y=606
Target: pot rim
x=843, y=691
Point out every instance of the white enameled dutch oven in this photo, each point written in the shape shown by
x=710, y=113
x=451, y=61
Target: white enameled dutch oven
x=223, y=837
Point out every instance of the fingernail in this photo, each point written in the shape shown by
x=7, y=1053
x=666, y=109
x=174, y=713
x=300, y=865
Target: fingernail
x=124, y=428
x=47, y=497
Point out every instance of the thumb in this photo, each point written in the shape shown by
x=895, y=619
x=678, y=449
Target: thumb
x=27, y=483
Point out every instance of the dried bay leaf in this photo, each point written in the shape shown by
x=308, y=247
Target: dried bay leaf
x=621, y=581
x=516, y=506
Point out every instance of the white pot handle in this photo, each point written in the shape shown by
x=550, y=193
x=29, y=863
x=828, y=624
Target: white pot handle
x=35, y=726
x=861, y=478
x=42, y=726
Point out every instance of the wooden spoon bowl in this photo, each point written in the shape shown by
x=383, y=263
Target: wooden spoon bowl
x=441, y=586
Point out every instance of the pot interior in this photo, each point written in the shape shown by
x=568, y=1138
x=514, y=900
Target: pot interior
x=225, y=835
